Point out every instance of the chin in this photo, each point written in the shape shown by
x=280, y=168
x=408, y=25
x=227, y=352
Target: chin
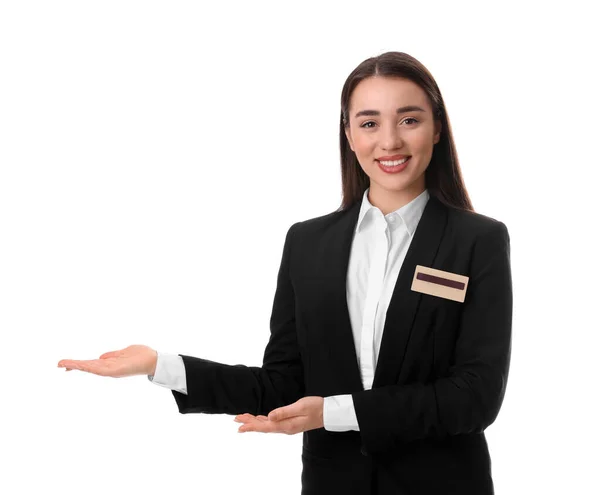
x=402, y=183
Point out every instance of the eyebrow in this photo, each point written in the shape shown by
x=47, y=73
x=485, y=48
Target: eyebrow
x=408, y=108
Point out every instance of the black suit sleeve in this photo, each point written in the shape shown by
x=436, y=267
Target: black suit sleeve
x=217, y=388
x=469, y=397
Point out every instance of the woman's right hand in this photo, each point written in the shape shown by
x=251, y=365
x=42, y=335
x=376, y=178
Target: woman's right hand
x=133, y=360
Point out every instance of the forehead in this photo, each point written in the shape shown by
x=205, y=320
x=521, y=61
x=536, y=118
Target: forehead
x=386, y=94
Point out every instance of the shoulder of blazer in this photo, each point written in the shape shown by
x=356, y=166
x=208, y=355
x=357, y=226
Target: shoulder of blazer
x=316, y=225
x=323, y=220
x=470, y=224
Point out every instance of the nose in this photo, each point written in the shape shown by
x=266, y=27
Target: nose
x=391, y=138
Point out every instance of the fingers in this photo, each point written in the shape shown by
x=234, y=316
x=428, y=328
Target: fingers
x=69, y=364
x=262, y=424
x=87, y=366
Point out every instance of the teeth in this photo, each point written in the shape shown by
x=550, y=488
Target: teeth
x=394, y=163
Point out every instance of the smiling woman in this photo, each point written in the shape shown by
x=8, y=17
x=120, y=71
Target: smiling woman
x=391, y=378
x=388, y=139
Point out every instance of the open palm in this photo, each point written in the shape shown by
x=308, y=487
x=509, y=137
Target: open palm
x=133, y=360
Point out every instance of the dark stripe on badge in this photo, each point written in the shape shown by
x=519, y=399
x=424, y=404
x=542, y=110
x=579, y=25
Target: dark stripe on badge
x=440, y=281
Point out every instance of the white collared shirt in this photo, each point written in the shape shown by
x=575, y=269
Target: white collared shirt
x=379, y=246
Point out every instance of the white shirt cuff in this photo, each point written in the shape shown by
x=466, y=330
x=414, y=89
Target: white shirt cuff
x=339, y=413
x=170, y=372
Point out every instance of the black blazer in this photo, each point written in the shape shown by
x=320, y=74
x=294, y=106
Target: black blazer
x=441, y=373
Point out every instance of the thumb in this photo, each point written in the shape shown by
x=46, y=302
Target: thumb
x=109, y=354
x=283, y=413
x=275, y=415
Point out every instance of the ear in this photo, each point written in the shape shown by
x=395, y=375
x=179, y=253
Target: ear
x=438, y=130
x=349, y=137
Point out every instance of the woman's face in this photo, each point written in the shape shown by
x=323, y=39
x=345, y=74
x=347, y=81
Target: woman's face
x=382, y=128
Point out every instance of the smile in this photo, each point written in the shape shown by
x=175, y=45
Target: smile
x=393, y=163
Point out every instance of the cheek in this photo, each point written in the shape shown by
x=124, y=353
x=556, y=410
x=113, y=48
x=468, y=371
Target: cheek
x=363, y=145
x=422, y=141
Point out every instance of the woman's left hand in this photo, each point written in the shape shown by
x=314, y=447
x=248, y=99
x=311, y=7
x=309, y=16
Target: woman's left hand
x=303, y=415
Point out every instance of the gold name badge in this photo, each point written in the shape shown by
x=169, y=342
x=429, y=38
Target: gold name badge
x=440, y=283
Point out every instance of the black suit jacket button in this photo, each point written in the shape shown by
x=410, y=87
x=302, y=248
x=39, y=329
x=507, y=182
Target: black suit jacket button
x=363, y=451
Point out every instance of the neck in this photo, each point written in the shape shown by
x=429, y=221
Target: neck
x=388, y=200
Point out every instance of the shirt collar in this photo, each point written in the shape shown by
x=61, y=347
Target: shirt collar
x=410, y=213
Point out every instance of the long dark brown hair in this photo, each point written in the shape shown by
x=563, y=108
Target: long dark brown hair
x=443, y=177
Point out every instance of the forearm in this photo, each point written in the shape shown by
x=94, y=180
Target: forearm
x=461, y=404
x=217, y=388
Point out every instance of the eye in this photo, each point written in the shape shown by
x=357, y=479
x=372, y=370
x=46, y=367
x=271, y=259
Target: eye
x=371, y=122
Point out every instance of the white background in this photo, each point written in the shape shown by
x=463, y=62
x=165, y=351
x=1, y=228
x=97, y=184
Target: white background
x=153, y=156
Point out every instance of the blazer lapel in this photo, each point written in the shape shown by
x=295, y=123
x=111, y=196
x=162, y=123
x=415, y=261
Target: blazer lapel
x=340, y=331
x=404, y=303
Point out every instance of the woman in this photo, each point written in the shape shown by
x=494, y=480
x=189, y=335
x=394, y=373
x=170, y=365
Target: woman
x=391, y=324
